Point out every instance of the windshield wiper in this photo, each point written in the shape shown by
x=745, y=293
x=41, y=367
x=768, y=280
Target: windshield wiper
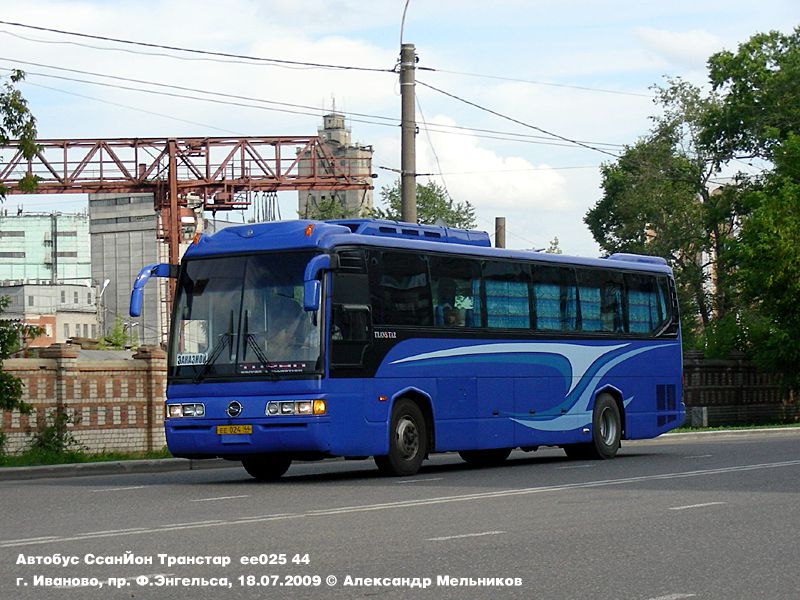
x=224, y=340
x=250, y=342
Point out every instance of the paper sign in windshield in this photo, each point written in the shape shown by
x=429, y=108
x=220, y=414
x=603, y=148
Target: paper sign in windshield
x=192, y=358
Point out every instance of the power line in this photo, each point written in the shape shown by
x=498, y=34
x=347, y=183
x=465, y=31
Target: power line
x=437, y=128
x=254, y=59
x=485, y=172
x=146, y=53
x=545, y=83
x=136, y=108
x=517, y=121
x=188, y=89
x=300, y=65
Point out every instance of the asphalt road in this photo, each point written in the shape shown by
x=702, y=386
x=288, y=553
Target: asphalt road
x=690, y=517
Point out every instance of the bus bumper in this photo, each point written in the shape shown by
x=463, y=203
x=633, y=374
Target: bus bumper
x=198, y=438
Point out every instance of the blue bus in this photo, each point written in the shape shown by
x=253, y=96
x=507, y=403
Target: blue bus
x=302, y=340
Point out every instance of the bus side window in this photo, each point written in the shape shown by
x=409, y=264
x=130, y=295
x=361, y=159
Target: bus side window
x=399, y=288
x=456, y=291
x=507, y=290
x=351, y=323
x=600, y=294
x=647, y=304
x=547, y=297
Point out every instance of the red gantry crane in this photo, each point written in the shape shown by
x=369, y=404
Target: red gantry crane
x=216, y=171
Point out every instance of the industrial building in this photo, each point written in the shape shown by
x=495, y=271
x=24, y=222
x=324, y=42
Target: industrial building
x=353, y=158
x=44, y=247
x=123, y=233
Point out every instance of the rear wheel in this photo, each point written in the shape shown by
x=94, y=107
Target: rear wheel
x=408, y=440
x=266, y=467
x=485, y=458
x=606, y=432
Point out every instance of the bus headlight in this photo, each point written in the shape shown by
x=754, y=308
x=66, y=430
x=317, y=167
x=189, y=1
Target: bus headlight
x=175, y=411
x=193, y=410
x=296, y=407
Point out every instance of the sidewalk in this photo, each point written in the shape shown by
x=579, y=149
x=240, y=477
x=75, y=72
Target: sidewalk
x=182, y=464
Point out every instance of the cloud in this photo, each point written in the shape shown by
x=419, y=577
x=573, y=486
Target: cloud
x=680, y=48
x=487, y=179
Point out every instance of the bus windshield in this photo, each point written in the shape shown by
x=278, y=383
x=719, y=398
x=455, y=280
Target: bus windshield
x=244, y=316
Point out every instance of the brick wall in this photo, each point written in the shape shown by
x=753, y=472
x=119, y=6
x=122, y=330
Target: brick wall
x=114, y=404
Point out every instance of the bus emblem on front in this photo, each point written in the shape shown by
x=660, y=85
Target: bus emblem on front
x=234, y=409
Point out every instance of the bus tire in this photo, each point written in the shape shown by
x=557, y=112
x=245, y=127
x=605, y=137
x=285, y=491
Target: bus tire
x=485, y=458
x=408, y=441
x=606, y=432
x=266, y=467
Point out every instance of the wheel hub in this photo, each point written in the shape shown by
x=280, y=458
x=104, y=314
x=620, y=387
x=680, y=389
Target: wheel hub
x=407, y=438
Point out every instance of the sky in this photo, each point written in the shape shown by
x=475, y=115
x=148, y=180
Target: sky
x=581, y=70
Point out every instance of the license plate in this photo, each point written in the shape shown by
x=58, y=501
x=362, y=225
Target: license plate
x=234, y=429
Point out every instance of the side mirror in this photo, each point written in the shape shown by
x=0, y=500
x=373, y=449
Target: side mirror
x=137, y=294
x=312, y=291
x=312, y=288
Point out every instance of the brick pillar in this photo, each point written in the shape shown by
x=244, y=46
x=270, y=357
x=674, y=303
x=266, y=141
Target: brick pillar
x=66, y=375
x=155, y=385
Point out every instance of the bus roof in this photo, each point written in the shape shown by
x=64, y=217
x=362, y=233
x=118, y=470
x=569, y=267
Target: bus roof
x=326, y=235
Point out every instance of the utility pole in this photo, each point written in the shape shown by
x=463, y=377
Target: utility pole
x=408, y=130
x=500, y=232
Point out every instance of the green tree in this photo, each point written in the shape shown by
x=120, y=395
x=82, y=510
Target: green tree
x=658, y=200
x=758, y=90
x=118, y=337
x=554, y=247
x=12, y=334
x=758, y=116
x=734, y=248
x=17, y=123
x=768, y=259
x=434, y=205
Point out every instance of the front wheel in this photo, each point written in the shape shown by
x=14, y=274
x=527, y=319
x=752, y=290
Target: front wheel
x=266, y=467
x=606, y=432
x=408, y=440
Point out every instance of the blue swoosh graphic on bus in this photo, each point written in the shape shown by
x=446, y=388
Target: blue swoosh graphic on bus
x=588, y=364
x=580, y=358
x=579, y=407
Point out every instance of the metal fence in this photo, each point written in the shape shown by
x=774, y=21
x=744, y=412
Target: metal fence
x=734, y=392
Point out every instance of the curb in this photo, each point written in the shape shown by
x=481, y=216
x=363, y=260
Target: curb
x=119, y=467
x=725, y=434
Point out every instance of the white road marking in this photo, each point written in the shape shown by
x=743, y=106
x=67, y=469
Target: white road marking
x=220, y=498
x=674, y=597
x=95, y=533
x=577, y=467
x=396, y=505
x=688, y=506
x=120, y=489
x=193, y=524
x=700, y=456
x=464, y=535
x=420, y=480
